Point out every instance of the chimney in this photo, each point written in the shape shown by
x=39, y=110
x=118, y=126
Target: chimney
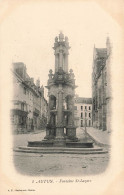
x=38, y=82
x=20, y=69
x=42, y=90
x=108, y=45
x=32, y=81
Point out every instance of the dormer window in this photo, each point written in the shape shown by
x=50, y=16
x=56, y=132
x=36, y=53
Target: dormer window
x=24, y=90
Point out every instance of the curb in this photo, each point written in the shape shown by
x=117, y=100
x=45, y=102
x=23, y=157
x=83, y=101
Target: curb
x=97, y=142
x=61, y=150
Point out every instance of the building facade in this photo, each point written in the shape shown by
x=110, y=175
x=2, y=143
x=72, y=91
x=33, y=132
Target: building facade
x=101, y=89
x=83, y=112
x=29, y=107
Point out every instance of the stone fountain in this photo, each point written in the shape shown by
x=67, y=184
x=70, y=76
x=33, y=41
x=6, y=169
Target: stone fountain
x=61, y=130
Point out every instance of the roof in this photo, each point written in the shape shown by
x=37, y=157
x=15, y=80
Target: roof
x=83, y=100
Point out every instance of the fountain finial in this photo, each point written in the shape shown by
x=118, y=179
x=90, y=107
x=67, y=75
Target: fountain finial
x=61, y=36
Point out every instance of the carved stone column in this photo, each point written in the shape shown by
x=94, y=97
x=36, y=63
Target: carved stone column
x=50, y=129
x=60, y=127
x=56, y=62
x=60, y=59
x=71, y=129
x=66, y=63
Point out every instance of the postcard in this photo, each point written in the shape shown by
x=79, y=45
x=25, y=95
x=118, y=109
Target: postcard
x=61, y=97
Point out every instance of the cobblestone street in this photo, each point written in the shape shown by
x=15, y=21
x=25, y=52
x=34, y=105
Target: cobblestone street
x=56, y=164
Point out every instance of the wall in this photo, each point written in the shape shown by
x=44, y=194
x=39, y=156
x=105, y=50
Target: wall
x=83, y=117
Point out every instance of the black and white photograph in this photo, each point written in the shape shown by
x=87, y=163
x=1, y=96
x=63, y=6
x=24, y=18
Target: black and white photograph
x=62, y=101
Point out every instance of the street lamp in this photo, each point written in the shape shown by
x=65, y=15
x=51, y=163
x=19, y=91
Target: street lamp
x=85, y=121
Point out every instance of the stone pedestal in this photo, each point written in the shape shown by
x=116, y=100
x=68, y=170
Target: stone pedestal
x=50, y=132
x=71, y=132
x=59, y=132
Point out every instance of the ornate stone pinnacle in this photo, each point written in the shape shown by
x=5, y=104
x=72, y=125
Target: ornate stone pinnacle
x=50, y=71
x=66, y=39
x=56, y=39
x=70, y=70
x=61, y=36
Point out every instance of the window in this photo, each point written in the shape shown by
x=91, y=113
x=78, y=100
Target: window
x=12, y=119
x=100, y=97
x=105, y=79
x=81, y=123
x=75, y=107
x=81, y=107
x=24, y=90
x=85, y=107
x=89, y=108
x=81, y=114
x=89, y=114
x=85, y=114
x=20, y=119
x=22, y=106
x=28, y=108
x=89, y=123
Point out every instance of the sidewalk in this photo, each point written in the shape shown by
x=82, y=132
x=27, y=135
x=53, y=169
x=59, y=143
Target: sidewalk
x=36, y=131
x=101, y=137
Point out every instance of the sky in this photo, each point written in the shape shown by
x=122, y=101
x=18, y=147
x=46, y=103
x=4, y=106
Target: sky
x=28, y=32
